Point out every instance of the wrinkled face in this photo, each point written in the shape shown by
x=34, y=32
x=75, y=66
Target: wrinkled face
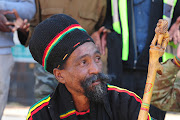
x=82, y=72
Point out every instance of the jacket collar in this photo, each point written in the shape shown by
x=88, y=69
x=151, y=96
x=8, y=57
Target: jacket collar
x=61, y=105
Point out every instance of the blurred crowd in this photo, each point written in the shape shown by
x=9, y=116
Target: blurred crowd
x=122, y=31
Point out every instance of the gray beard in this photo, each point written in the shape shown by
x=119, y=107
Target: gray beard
x=95, y=93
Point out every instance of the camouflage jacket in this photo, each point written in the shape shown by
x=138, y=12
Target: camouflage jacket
x=166, y=93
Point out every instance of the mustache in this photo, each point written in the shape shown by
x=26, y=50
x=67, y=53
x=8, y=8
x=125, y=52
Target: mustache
x=100, y=77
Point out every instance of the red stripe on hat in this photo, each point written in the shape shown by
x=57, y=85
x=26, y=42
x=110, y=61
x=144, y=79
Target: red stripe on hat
x=55, y=40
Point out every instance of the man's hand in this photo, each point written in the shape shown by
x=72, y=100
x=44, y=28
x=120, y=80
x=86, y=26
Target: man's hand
x=3, y=20
x=99, y=40
x=174, y=31
x=19, y=23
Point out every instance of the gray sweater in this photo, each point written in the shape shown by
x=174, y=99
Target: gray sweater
x=26, y=10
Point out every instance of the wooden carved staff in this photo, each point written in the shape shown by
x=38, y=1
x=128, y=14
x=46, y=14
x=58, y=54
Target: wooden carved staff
x=157, y=49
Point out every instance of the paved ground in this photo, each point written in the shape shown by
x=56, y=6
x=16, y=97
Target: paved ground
x=172, y=116
x=15, y=112
x=18, y=112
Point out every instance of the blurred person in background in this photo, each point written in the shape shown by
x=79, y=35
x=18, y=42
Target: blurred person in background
x=132, y=25
x=26, y=10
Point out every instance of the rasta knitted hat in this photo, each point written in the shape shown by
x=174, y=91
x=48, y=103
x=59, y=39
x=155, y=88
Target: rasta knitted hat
x=55, y=39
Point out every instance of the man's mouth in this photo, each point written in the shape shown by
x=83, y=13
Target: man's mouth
x=96, y=82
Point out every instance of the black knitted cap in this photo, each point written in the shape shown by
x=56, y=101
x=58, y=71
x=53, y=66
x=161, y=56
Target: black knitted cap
x=55, y=39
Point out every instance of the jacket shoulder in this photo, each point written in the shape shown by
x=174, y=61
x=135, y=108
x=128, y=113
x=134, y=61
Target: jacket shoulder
x=123, y=92
x=42, y=104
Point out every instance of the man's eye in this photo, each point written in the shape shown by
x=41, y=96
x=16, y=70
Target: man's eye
x=98, y=58
x=83, y=62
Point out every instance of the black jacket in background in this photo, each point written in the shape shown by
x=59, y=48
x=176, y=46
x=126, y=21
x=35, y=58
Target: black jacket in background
x=115, y=44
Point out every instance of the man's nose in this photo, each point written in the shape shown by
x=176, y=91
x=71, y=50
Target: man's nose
x=94, y=68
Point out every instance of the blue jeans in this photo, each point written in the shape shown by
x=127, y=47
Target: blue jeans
x=6, y=63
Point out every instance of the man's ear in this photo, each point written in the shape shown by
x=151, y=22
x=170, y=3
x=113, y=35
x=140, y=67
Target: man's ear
x=59, y=75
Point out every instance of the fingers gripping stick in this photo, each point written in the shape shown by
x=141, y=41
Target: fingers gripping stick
x=157, y=49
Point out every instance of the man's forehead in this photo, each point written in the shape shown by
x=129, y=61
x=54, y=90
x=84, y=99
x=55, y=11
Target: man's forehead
x=88, y=48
